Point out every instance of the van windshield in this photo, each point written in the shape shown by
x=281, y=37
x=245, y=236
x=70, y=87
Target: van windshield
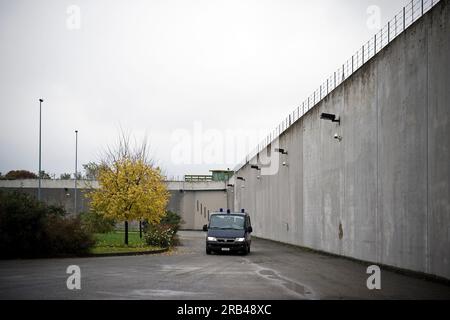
x=227, y=221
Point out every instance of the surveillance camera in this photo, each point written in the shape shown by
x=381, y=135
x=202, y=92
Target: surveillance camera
x=258, y=177
x=337, y=137
x=284, y=164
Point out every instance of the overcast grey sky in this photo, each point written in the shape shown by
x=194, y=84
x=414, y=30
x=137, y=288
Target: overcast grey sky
x=163, y=68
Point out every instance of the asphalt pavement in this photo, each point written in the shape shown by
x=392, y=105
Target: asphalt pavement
x=271, y=271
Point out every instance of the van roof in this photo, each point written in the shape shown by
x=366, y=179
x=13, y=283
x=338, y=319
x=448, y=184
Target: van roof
x=225, y=213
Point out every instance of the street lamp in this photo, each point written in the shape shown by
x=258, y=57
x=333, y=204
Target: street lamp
x=76, y=169
x=39, y=172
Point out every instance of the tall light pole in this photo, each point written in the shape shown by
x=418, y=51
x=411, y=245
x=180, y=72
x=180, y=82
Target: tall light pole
x=39, y=172
x=76, y=169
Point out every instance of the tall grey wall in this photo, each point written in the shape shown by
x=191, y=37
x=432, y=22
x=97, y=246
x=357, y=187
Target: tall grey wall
x=382, y=193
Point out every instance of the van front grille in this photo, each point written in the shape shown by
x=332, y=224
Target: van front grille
x=225, y=240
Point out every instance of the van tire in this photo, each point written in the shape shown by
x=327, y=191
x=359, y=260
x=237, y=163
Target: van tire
x=208, y=251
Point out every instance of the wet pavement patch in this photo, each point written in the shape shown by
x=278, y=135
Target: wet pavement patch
x=291, y=285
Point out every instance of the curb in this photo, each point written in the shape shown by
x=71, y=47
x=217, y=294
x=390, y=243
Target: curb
x=118, y=254
x=92, y=255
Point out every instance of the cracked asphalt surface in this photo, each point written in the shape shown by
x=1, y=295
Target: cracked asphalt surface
x=271, y=271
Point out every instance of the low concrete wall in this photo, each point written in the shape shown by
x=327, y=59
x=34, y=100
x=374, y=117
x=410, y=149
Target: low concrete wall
x=195, y=206
x=382, y=193
x=192, y=200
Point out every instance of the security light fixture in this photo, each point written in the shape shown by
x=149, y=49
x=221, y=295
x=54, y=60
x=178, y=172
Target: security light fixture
x=280, y=150
x=255, y=167
x=230, y=185
x=240, y=178
x=330, y=116
x=337, y=137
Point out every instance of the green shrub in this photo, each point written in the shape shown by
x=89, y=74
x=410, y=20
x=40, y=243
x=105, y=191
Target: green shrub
x=96, y=223
x=67, y=236
x=29, y=228
x=159, y=235
x=163, y=234
x=172, y=219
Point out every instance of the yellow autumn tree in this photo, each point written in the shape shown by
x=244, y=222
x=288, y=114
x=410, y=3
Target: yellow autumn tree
x=130, y=187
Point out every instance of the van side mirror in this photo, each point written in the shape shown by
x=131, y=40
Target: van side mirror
x=249, y=229
x=205, y=227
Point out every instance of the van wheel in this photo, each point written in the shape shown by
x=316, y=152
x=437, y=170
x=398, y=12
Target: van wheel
x=248, y=249
x=208, y=251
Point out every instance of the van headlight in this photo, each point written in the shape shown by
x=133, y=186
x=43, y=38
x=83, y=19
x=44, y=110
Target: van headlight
x=239, y=239
x=211, y=238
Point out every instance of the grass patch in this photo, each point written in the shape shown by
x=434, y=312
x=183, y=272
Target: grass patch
x=113, y=242
x=116, y=239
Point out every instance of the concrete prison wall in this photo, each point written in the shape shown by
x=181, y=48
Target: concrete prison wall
x=382, y=193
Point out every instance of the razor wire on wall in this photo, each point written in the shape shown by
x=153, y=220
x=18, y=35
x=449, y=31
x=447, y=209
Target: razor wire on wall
x=401, y=21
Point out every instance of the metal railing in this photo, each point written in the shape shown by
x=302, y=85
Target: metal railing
x=197, y=177
x=401, y=21
x=174, y=178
